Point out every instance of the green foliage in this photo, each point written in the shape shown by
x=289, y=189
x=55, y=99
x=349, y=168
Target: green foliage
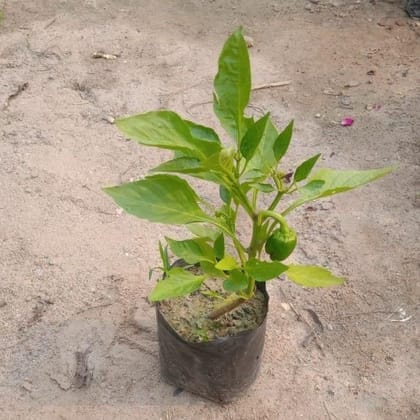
x=192, y=251
x=312, y=276
x=236, y=282
x=264, y=270
x=227, y=263
x=328, y=182
x=232, y=86
x=159, y=198
x=305, y=168
x=178, y=282
x=242, y=173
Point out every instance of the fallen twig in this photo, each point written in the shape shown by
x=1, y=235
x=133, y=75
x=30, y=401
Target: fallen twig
x=313, y=334
x=402, y=320
x=259, y=87
x=100, y=54
x=50, y=23
x=403, y=317
x=18, y=91
x=315, y=317
x=272, y=85
x=102, y=305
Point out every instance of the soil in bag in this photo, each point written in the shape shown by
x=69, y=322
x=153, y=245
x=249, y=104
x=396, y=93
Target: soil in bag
x=217, y=359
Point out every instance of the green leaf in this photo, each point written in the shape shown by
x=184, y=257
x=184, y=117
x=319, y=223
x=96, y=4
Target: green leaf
x=210, y=270
x=282, y=142
x=164, y=257
x=193, y=167
x=264, y=270
x=226, y=158
x=178, y=283
x=227, y=263
x=203, y=231
x=263, y=160
x=305, y=168
x=205, y=135
x=224, y=194
x=159, y=198
x=265, y=188
x=192, y=250
x=232, y=86
x=253, y=137
x=236, y=282
x=167, y=130
x=219, y=247
x=182, y=165
x=312, y=276
x=327, y=182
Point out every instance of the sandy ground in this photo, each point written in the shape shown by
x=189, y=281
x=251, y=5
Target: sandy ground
x=77, y=339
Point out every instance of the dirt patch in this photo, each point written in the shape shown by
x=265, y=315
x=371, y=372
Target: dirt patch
x=189, y=315
x=63, y=241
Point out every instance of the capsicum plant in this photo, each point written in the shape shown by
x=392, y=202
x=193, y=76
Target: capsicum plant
x=244, y=170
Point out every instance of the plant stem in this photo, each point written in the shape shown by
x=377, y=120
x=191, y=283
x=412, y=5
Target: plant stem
x=279, y=195
x=276, y=216
x=276, y=201
x=227, y=307
x=251, y=288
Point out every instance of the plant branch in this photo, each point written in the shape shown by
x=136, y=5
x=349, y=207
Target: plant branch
x=280, y=192
x=225, y=308
x=276, y=216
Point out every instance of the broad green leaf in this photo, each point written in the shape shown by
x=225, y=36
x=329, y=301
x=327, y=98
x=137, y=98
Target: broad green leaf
x=159, y=198
x=282, y=142
x=236, y=282
x=232, y=86
x=264, y=270
x=203, y=231
x=210, y=270
x=224, y=194
x=305, y=168
x=248, y=121
x=312, y=276
x=177, y=283
x=327, y=182
x=227, y=263
x=193, y=167
x=219, y=247
x=206, y=135
x=192, y=250
x=263, y=160
x=253, y=137
x=167, y=130
x=182, y=165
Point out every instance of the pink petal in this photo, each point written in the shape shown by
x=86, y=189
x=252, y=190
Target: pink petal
x=347, y=122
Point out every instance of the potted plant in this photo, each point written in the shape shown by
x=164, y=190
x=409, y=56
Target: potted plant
x=211, y=304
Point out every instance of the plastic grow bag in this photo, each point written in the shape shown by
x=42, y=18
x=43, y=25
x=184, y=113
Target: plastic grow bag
x=219, y=370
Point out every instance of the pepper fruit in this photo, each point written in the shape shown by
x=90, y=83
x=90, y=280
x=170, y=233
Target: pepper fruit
x=281, y=243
